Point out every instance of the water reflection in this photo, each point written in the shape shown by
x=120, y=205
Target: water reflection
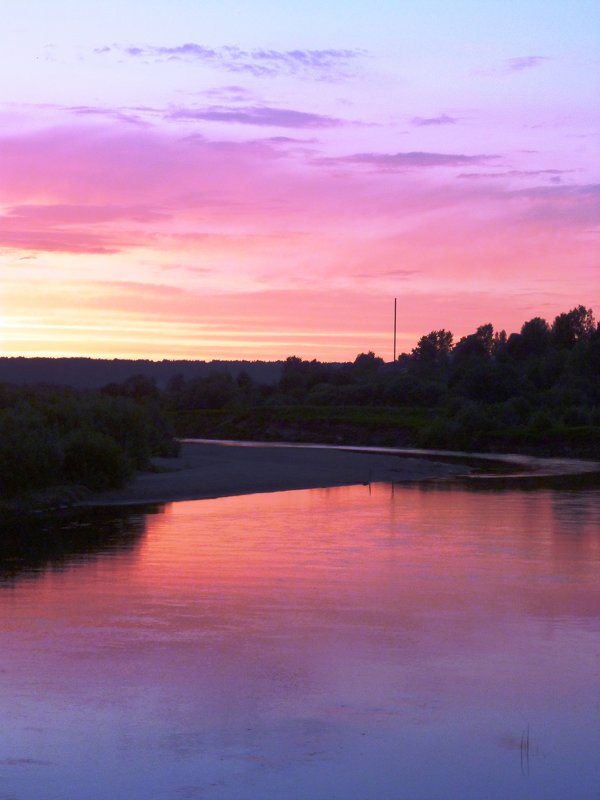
x=29, y=545
x=359, y=642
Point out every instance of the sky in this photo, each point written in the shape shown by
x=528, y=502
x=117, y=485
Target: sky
x=261, y=179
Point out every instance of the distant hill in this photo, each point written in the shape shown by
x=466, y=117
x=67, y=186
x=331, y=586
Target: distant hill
x=92, y=373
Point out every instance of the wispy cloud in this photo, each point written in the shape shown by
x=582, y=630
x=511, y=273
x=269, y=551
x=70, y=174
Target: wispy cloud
x=32, y=238
x=229, y=94
x=70, y=214
x=241, y=210
x=588, y=190
x=399, y=274
x=75, y=227
x=118, y=114
x=525, y=62
x=258, y=115
x=510, y=66
x=567, y=206
x=443, y=119
x=515, y=173
x=411, y=160
x=328, y=64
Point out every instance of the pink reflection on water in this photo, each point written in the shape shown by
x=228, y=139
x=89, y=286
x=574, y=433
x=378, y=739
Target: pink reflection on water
x=303, y=633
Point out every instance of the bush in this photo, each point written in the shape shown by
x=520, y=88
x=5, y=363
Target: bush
x=575, y=416
x=540, y=422
x=95, y=460
x=49, y=436
x=30, y=456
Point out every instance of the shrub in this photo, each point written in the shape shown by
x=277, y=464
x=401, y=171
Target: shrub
x=95, y=460
x=30, y=455
x=540, y=422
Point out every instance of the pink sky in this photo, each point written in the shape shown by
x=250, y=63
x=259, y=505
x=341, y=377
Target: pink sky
x=206, y=188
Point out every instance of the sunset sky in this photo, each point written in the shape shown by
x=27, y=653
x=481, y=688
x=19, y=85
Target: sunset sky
x=227, y=179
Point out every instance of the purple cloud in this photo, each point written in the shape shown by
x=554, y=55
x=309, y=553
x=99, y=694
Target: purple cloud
x=589, y=191
x=443, y=119
x=328, y=64
x=525, y=62
x=56, y=241
x=181, y=52
x=71, y=214
x=512, y=65
x=396, y=161
x=561, y=205
x=402, y=274
x=118, y=114
x=516, y=173
x=229, y=94
x=259, y=115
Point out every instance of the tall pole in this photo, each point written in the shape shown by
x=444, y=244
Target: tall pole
x=395, y=301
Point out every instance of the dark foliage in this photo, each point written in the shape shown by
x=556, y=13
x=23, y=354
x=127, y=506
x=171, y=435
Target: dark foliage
x=537, y=389
x=51, y=437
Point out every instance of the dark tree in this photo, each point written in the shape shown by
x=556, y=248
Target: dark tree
x=137, y=387
x=435, y=347
x=573, y=326
x=367, y=363
x=536, y=336
x=478, y=344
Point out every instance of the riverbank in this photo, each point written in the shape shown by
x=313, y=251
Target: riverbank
x=415, y=426
x=204, y=470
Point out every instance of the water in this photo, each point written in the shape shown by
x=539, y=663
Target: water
x=408, y=643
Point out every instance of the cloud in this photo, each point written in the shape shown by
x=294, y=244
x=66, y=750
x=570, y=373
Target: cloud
x=444, y=119
x=514, y=65
x=525, y=62
x=117, y=114
x=73, y=228
x=258, y=115
x=185, y=268
x=579, y=191
x=235, y=211
x=554, y=174
x=229, y=94
x=118, y=165
x=285, y=140
x=70, y=214
x=411, y=160
x=327, y=64
x=401, y=274
x=33, y=238
x=91, y=179
x=559, y=205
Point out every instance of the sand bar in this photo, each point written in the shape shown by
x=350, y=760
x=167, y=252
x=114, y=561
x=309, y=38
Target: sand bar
x=205, y=470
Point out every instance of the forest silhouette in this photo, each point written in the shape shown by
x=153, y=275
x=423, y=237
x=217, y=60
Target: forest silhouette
x=537, y=390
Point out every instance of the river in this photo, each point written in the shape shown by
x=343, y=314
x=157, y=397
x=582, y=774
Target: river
x=414, y=642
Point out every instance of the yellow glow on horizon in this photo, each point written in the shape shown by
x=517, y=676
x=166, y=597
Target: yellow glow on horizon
x=205, y=342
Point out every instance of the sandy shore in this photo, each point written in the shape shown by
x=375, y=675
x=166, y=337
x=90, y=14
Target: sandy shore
x=218, y=470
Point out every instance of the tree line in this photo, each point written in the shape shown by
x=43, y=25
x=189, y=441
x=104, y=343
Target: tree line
x=489, y=389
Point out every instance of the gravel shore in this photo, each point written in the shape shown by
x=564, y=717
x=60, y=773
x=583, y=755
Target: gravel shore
x=205, y=470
